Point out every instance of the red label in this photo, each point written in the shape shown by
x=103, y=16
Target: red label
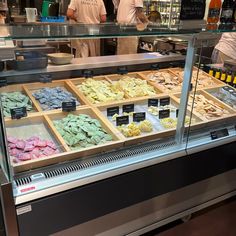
x=27, y=189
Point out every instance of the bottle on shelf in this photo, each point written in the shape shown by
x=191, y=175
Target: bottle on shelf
x=223, y=76
x=234, y=82
x=211, y=72
x=227, y=10
x=217, y=74
x=229, y=79
x=214, y=12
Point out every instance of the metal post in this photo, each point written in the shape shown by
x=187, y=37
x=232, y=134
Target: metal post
x=8, y=207
x=185, y=91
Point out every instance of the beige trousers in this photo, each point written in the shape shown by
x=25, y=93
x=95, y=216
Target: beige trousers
x=86, y=47
x=219, y=57
x=127, y=45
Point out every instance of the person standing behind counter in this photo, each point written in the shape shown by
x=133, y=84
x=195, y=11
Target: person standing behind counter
x=87, y=12
x=225, y=49
x=130, y=12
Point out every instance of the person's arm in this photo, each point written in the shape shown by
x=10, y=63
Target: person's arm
x=103, y=18
x=71, y=14
x=141, y=16
x=103, y=13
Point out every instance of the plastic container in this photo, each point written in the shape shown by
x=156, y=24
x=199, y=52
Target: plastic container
x=60, y=58
x=29, y=60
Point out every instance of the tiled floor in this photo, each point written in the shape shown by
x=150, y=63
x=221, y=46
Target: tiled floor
x=219, y=220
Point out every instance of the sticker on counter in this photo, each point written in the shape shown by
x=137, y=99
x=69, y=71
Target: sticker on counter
x=153, y=102
x=122, y=120
x=23, y=210
x=68, y=106
x=28, y=189
x=139, y=116
x=164, y=101
x=164, y=114
x=128, y=108
x=111, y=111
x=19, y=112
x=219, y=133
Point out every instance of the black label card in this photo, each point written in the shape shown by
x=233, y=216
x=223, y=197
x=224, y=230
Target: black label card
x=192, y=9
x=227, y=88
x=122, y=70
x=88, y=74
x=139, y=116
x=128, y=108
x=111, y=111
x=19, y=112
x=234, y=94
x=153, y=102
x=164, y=114
x=177, y=113
x=122, y=120
x=219, y=133
x=68, y=106
x=164, y=101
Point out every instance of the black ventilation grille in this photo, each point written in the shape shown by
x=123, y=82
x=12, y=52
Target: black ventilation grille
x=106, y=158
x=98, y=160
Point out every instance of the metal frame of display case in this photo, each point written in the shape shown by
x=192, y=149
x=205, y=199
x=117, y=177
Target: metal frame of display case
x=112, y=165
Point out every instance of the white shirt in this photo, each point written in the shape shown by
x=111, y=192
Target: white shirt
x=88, y=11
x=227, y=44
x=127, y=11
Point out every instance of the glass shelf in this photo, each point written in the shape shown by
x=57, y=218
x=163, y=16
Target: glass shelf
x=70, y=31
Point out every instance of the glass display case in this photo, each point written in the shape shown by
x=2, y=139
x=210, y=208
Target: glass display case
x=67, y=126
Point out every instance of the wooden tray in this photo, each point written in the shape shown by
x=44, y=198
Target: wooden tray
x=33, y=87
x=25, y=91
x=75, y=82
x=114, y=78
x=215, y=100
x=34, y=126
x=217, y=82
x=141, y=105
x=225, y=101
x=159, y=86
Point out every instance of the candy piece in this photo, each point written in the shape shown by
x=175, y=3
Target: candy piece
x=145, y=126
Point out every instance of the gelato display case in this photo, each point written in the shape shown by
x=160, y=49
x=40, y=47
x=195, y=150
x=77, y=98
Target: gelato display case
x=105, y=137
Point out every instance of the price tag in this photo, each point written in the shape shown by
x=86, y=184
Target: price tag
x=139, y=116
x=122, y=70
x=234, y=94
x=164, y=101
x=164, y=114
x=88, y=74
x=122, y=120
x=68, y=106
x=219, y=133
x=153, y=102
x=227, y=88
x=177, y=113
x=111, y=111
x=19, y=112
x=46, y=78
x=128, y=108
x=3, y=82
